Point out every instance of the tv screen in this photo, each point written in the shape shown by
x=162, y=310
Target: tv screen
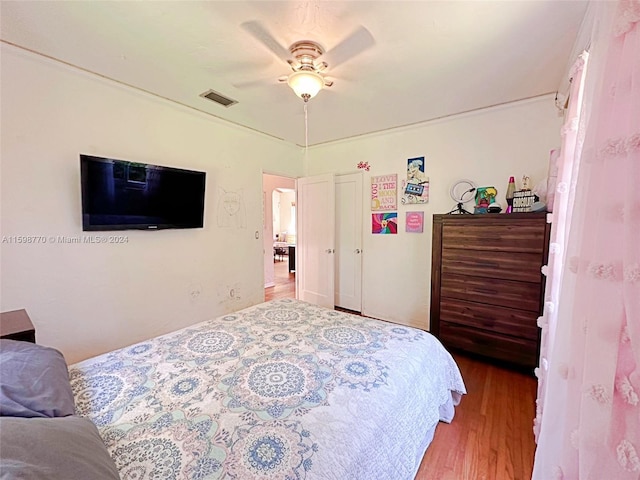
x=121, y=195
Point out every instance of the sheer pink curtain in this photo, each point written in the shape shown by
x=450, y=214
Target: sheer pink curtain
x=589, y=422
x=568, y=163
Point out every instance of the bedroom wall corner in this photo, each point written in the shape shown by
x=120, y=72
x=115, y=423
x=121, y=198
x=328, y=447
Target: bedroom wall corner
x=487, y=146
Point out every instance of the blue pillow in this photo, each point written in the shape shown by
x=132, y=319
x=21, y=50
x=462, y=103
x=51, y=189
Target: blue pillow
x=34, y=381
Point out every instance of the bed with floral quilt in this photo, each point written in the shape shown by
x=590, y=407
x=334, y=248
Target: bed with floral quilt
x=282, y=390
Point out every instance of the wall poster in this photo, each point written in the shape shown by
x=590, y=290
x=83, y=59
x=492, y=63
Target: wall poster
x=384, y=223
x=416, y=188
x=414, y=222
x=384, y=190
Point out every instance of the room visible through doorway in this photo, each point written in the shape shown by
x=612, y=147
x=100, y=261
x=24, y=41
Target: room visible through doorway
x=279, y=196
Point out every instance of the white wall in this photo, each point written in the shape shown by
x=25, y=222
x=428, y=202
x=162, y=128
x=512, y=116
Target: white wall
x=275, y=198
x=85, y=298
x=287, y=221
x=485, y=146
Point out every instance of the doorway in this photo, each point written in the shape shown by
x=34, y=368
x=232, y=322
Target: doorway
x=279, y=236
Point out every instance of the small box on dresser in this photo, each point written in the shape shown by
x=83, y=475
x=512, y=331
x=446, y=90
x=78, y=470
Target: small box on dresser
x=486, y=284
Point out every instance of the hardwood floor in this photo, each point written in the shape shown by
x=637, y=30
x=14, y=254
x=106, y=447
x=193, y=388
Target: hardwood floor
x=491, y=436
x=285, y=281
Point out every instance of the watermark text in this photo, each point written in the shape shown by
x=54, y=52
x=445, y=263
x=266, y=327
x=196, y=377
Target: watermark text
x=64, y=239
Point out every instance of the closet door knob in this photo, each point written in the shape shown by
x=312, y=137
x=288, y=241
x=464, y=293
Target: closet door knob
x=357, y=250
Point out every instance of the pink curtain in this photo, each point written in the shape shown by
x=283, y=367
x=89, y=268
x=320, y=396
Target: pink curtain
x=568, y=165
x=588, y=423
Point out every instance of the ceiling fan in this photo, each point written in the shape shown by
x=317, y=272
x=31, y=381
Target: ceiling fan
x=307, y=57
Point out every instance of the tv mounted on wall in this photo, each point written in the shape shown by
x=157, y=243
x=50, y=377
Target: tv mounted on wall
x=122, y=195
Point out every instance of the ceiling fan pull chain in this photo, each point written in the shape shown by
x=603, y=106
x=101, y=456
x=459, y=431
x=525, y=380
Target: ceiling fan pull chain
x=306, y=128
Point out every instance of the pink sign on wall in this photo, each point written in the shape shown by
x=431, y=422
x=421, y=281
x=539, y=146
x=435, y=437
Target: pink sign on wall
x=414, y=222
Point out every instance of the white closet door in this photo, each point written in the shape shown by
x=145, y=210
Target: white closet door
x=316, y=239
x=348, y=264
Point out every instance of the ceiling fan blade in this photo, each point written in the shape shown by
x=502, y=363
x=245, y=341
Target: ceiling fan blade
x=254, y=83
x=260, y=33
x=357, y=42
x=261, y=82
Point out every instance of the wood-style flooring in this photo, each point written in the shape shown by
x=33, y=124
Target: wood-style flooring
x=491, y=436
x=285, y=281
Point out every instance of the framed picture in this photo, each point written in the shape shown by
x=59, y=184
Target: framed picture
x=414, y=222
x=384, y=223
x=384, y=192
x=416, y=188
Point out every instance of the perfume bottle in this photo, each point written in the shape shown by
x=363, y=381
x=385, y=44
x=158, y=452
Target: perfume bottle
x=511, y=188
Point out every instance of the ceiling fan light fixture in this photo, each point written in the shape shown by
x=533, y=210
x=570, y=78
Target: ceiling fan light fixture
x=306, y=84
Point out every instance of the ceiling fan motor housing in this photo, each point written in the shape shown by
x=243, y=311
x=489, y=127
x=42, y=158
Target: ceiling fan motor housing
x=306, y=48
x=306, y=53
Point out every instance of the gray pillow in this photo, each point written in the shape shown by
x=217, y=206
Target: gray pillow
x=66, y=448
x=34, y=381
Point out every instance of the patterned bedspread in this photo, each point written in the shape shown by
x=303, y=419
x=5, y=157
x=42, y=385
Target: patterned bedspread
x=282, y=390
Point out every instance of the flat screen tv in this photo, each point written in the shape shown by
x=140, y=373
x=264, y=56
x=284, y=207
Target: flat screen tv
x=122, y=195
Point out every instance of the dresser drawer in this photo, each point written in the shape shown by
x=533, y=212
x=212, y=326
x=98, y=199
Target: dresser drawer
x=518, y=351
x=505, y=293
x=508, y=321
x=508, y=237
x=523, y=267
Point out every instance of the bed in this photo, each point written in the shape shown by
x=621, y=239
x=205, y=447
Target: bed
x=282, y=390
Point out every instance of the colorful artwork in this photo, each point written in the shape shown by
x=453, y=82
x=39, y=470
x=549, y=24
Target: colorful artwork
x=414, y=222
x=485, y=196
x=384, y=222
x=384, y=194
x=416, y=188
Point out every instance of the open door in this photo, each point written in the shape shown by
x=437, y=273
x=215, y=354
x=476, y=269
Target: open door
x=271, y=225
x=316, y=239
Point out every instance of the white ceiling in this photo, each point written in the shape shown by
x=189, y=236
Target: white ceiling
x=426, y=59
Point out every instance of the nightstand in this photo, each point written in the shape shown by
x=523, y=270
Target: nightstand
x=16, y=325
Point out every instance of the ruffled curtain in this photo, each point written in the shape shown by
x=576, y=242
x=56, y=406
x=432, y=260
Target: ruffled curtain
x=588, y=424
x=568, y=165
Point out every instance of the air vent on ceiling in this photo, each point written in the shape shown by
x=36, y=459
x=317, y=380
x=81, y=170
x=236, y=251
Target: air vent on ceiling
x=218, y=98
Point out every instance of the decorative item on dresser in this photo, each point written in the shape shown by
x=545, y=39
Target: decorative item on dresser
x=16, y=325
x=486, y=284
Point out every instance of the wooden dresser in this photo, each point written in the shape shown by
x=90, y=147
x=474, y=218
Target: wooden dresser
x=486, y=285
